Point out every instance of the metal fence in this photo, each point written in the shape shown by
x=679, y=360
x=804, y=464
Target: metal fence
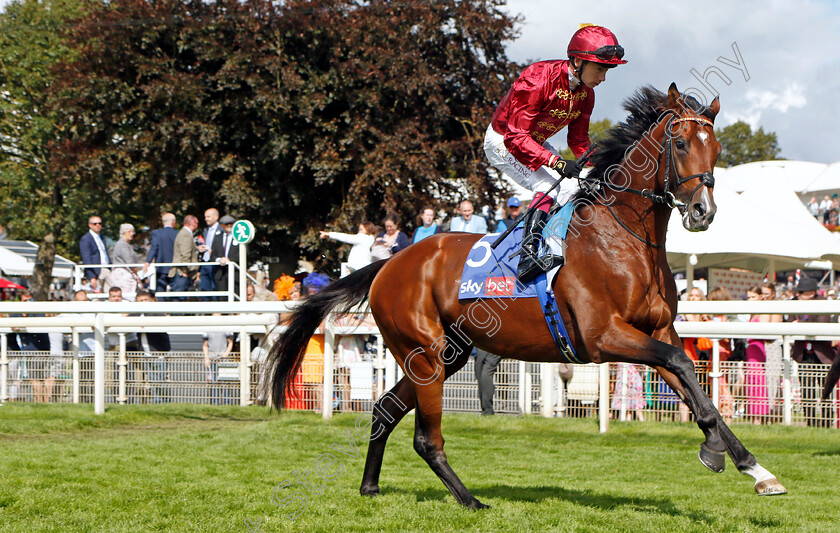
x=331, y=381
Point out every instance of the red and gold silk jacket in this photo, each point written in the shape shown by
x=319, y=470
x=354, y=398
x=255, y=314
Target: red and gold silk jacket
x=539, y=105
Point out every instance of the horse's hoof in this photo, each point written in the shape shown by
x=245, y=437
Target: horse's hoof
x=769, y=487
x=372, y=490
x=714, y=461
x=475, y=504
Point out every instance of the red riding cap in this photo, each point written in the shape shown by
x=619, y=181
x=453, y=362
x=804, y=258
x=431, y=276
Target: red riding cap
x=596, y=44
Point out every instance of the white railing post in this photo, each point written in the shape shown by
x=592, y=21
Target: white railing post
x=77, y=278
x=99, y=364
x=329, y=344
x=244, y=367
x=380, y=364
x=787, y=389
x=390, y=370
x=547, y=388
x=4, y=368
x=715, y=374
x=122, y=363
x=231, y=279
x=74, y=341
x=529, y=389
x=604, y=397
x=521, y=387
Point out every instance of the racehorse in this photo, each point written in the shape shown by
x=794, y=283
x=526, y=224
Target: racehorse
x=616, y=293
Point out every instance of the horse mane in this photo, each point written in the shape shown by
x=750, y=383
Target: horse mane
x=645, y=107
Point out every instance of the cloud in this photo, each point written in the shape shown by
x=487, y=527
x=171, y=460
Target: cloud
x=761, y=101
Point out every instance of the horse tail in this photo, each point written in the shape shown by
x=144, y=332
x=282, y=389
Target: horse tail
x=286, y=356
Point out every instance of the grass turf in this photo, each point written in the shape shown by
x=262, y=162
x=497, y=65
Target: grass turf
x=203, y=468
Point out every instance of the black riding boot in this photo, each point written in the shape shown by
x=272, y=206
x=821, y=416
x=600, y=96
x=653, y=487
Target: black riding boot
x=531, y=262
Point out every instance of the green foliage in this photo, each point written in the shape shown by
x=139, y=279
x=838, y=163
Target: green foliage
x=741, y=145
x=34, y=199
x=206, y=468
x=295, y=115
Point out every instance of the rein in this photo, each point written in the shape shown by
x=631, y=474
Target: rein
x=667, y=198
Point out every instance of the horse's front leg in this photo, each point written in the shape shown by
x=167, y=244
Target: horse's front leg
x=671, y=361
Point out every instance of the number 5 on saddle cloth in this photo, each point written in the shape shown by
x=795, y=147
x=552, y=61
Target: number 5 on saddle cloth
x=490, y=272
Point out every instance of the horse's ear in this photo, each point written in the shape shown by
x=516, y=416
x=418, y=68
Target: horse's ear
x=714, y=107
x=673, y=95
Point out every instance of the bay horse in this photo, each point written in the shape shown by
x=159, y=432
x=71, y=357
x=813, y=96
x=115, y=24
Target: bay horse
x=616, y=293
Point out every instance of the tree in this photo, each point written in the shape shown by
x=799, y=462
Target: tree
x=296, y=115
x=740, y=145
x=36, y=201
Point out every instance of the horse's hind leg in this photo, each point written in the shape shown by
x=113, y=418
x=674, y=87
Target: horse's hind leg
x=387, y=413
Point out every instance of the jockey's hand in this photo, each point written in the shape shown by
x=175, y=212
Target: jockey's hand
x=568, y=168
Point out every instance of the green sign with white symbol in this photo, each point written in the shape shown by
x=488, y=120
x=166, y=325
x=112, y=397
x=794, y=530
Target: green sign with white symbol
x=243, y=231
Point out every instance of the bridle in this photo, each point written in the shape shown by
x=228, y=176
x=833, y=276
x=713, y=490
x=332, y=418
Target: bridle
x=666, y=155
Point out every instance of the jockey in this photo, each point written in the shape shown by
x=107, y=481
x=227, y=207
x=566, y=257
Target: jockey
x=547, y=97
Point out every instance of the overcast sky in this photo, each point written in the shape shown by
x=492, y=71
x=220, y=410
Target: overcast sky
x=789, y=51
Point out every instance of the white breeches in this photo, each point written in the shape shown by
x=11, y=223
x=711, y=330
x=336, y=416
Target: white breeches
x=540, y=180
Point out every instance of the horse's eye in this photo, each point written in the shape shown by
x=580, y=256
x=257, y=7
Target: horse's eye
x=679, y=143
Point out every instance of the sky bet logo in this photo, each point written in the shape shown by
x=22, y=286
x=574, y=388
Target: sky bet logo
x=501, y=286
x=471, y=287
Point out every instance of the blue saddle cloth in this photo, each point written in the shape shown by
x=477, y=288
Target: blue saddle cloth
x=489, y=273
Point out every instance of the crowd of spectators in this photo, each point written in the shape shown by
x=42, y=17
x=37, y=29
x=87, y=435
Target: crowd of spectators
x=826, y=210
x=751, y=387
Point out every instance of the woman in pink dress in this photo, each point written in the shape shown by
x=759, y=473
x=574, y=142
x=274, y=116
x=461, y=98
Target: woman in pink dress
x=757, y=405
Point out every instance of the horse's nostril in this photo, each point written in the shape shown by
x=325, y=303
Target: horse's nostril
x=698, y=210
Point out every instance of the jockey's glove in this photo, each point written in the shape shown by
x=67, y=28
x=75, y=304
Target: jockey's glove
x=568, y=168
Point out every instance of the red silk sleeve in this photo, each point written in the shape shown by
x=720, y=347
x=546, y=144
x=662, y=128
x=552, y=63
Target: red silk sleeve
x=527, y=99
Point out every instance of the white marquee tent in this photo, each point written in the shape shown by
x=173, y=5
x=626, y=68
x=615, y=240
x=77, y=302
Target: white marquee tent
x=17, y=258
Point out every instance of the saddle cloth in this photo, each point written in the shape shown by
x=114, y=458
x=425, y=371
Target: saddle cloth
x=489, y=273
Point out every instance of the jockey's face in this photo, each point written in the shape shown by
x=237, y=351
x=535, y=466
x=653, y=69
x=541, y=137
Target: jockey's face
x=593, y=74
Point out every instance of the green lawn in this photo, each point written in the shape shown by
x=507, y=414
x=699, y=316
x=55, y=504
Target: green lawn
x=202, y=468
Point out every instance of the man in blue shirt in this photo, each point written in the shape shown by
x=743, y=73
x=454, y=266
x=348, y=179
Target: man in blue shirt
x=468, y=222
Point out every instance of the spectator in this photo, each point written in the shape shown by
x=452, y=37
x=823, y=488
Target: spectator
x=161, y=250
x=773, y=352
x=727, y=405
x=94, y=252
x=514, y=211
x=312, y=367
x=825, y=207
x=468, y=222
x=211, y=232
x=185, y=251
x=819, y=354
x=359, y=256
x=217, y=346
x=390, y=241
x=36, y=365
x=150, y=369
x=629, y=392
x=124, y=277
x=757, y=406
x=225, y=249
x=696, y=348
x=814, y=207
x=426, y=225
